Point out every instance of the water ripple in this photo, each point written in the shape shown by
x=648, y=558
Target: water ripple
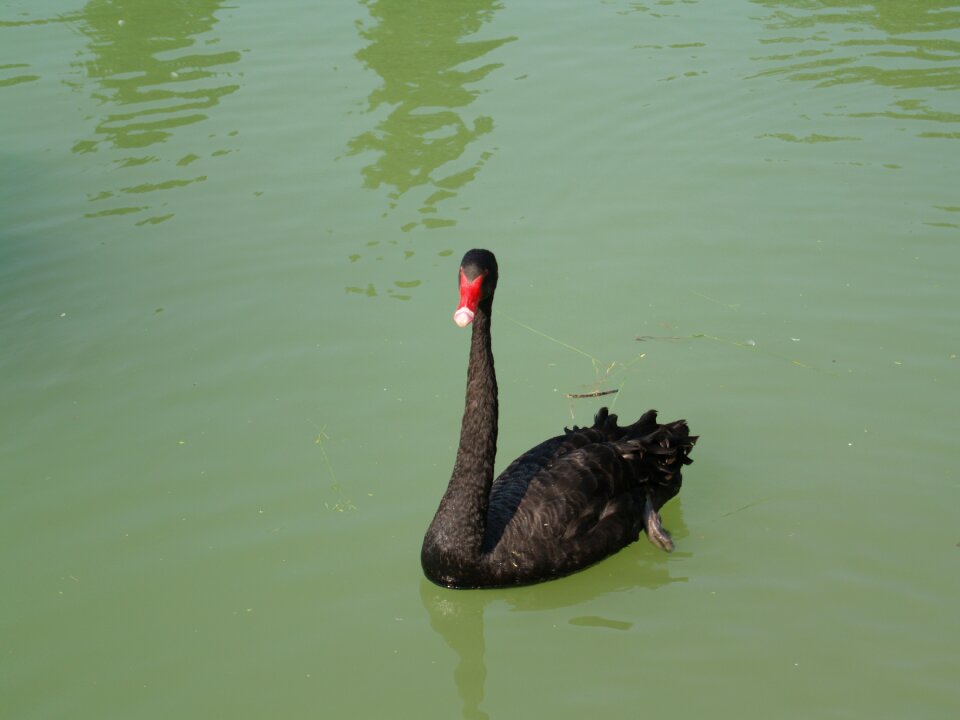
x=423, y=145
x=145, y=73
x=907, y=47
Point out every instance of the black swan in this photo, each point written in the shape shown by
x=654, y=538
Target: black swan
x=563, y=505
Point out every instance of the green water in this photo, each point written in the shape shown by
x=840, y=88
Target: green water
x=231, y=385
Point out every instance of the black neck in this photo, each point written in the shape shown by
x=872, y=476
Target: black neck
x=461, y=518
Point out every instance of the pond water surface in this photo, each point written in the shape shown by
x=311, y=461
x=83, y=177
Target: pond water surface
x=231, y=386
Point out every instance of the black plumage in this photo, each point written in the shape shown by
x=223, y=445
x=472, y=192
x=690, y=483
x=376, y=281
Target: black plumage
x=563, y=505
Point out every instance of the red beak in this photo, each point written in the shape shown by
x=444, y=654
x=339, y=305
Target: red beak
x=469, y=299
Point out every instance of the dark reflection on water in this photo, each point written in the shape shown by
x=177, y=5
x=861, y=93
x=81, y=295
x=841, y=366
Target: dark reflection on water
x=909, y=51
x=457, y=615
x=420, y=143
x=18, y=73
x=458, y=618
x=911, y=47
x=418, y=49
x=151, y=81
x=400, y=289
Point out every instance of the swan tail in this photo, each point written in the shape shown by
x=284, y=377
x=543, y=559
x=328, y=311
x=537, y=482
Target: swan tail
x=658, y=453
x=660, y=450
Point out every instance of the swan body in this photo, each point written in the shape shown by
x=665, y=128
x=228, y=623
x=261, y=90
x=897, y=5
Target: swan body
x=563, y=505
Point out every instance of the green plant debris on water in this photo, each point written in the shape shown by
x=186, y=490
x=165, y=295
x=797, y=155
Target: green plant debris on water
x=604, y=372
x=594, y=394
x=342, y=502
x=753, y=345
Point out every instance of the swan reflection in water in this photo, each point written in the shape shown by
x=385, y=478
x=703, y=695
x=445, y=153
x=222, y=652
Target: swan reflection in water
x=458, y=617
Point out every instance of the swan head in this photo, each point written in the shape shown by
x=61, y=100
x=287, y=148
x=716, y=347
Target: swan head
x=478, y=280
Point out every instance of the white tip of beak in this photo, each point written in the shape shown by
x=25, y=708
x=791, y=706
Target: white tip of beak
x=463, y=316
